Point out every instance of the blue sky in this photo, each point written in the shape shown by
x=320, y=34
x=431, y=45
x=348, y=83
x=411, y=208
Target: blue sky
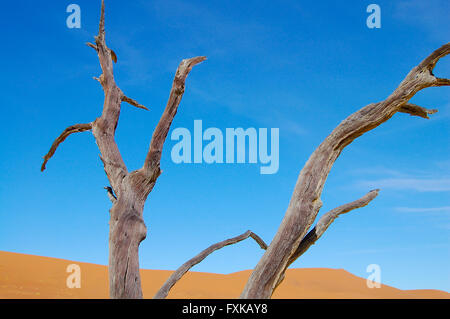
x=300, y=66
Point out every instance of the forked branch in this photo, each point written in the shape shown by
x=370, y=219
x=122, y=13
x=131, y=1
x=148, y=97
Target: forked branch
x=326, y=220
x=104, y=127
x=128, y=190
x=323, y=224
x=305, y=201
x=183, y=269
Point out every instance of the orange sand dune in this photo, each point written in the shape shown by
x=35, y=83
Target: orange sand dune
x=27, y=276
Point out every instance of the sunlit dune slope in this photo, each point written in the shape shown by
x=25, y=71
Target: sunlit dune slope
x=28, y=276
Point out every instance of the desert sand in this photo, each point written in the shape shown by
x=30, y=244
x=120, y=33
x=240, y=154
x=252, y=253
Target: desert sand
x=31, y=277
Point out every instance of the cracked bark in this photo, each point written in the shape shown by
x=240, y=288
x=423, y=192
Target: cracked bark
x=126, y=226
x=305, y=201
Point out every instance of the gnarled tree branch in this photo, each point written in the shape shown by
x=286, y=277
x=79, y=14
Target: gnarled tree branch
x=70, y=130
x=105, y=126
x=146, y=176
x=305, y=201
x=326, y=220
x=128, y=190
x=323, y=224
x=153, y=158
x=183, y=269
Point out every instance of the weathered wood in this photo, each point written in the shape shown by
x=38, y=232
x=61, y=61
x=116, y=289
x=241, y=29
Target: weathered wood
x=323, y=224
x=416, y=110
x=326, y=220
x=183, y=269
x=162, y=129
x=133, y=102
x=70, y=130
x=127, y=227
x=305, y=202
x=129, y=190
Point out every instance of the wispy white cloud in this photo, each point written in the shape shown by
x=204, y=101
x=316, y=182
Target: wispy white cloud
x=365, y=251
x=394, y=249
x=434, y=178
x=378, y=170
x=443, y=209
x=416, y=184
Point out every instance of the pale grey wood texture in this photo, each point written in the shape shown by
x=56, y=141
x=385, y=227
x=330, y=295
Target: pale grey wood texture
x=126, y=226
x=326, y=220
x=305, y=201
x=323, y=224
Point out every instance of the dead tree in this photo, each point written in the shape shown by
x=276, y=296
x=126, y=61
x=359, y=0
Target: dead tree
x=129, y=190
x=291, y=240
x=307, y=242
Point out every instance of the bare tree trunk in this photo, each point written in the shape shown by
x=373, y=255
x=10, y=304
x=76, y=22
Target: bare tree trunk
x=126, y=231
x=126, y=226
x=305, y=202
